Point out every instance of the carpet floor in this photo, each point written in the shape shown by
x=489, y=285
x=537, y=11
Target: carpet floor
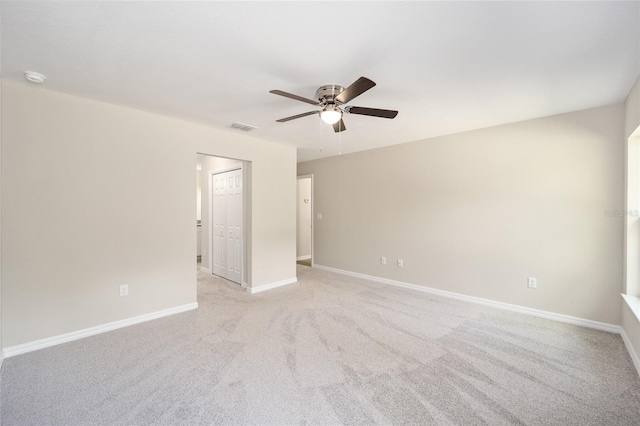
x=328, y=350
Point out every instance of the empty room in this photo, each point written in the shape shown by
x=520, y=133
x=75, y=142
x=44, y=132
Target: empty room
x=419, y=213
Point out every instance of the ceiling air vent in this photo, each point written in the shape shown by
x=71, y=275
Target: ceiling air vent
x=242, y=126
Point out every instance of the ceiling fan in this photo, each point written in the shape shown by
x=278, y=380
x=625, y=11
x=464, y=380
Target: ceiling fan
x=332, y=99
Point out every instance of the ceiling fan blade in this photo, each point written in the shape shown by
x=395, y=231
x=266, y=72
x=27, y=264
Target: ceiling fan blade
x=296, y=97
x=293, y=117
x=339, y=126
x=360, y=86
x=373, y=112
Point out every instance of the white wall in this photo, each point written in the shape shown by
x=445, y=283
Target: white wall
x=199, y=189
x=632, y=187
x=82, y=213
x=630, y=323
x=1, y=119
x=632, y=110
x=304, y=219
x=632, y=217
x=478, y=212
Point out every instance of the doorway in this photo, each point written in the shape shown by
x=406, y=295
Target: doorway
x=224, y=217
x=304, y=240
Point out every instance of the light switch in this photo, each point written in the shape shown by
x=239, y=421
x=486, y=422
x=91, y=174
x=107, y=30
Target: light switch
x=319, y=216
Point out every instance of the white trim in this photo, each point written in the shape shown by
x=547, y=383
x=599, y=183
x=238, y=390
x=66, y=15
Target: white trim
x=501, y=305
x=210, y=222
x=634, y=304
x=632, y=352
x=75, y=335
x=205, y=270
x=229, y=168
x=264, y=287
x=303, y=257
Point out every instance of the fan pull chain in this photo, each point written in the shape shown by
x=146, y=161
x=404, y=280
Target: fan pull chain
x=321, y=124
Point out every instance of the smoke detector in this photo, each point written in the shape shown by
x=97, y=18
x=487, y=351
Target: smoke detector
x=34, y=77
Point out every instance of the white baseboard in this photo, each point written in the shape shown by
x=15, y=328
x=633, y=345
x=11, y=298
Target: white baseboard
x=631, y=350
x=264, y=287
x=509, y=307
x=633, y=303
x=75, y=335
x=303, y=257
x=205, y=270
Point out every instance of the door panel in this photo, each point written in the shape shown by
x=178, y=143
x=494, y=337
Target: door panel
x=219, y=226
x=227, y=228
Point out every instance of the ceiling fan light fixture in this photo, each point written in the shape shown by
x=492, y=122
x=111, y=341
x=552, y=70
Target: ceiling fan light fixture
x=330, y=115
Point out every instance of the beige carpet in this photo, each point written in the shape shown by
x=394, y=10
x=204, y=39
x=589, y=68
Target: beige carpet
x=328, y=350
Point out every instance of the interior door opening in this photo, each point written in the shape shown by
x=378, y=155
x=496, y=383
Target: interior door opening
x=304, y=240
x=223, y=217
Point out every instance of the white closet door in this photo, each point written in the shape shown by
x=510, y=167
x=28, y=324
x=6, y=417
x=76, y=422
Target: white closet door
x=219, y=225
x=227, y=225
x=234, y=225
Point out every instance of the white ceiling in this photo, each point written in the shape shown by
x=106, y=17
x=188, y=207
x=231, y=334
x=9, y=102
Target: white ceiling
x=446, y=66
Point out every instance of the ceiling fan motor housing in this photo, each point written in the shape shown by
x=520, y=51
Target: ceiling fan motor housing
x=326, y=94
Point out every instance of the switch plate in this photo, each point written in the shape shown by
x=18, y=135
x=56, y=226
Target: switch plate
x=400, y=263
x=124, y=290
x=383, y=260
x=319, y=216
x=532, y=282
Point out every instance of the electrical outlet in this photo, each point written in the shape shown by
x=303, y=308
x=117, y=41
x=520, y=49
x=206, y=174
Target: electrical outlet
x=400, y=263
x=383, y=260
x=124, y=290
x=532, y=282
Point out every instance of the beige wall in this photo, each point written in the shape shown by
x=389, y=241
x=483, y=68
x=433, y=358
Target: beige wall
x=478, y=212
x=82, y=212
x=304, y=218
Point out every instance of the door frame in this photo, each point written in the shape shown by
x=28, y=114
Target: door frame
x=313, y=227
x=230, y=168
